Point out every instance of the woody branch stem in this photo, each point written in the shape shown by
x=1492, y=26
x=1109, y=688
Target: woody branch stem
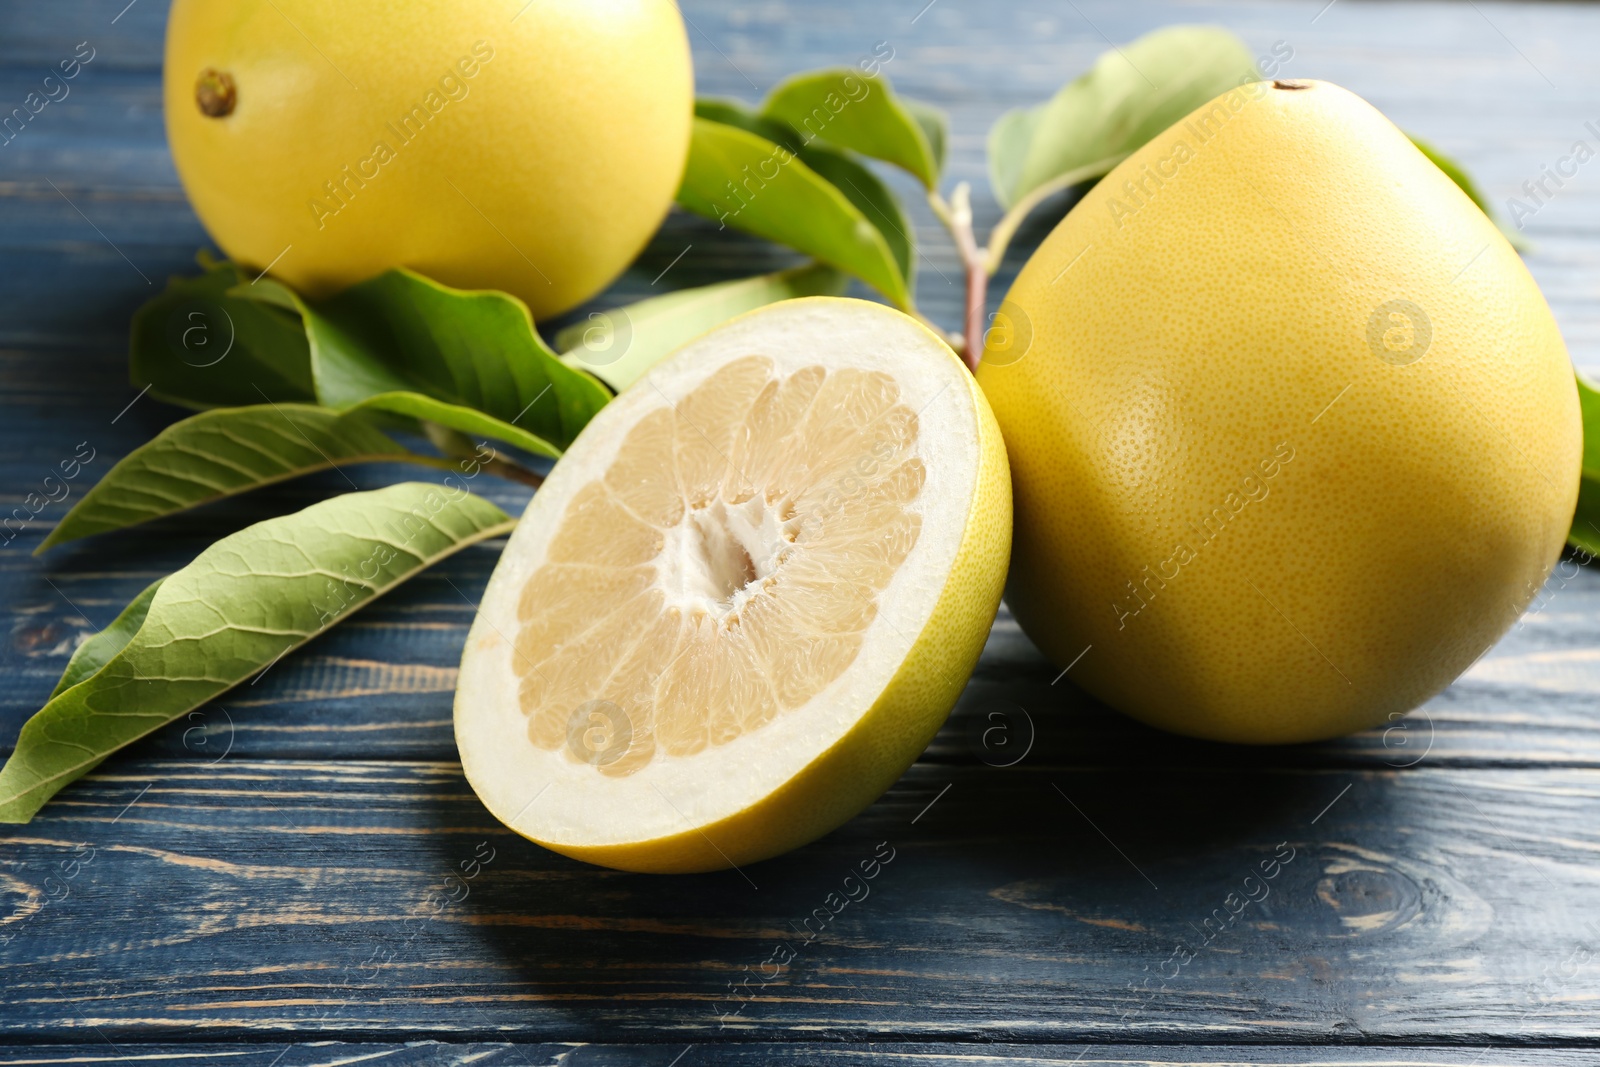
x=957, y=217
x=515, y=472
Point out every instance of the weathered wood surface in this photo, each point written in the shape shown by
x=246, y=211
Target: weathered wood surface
x=830, y=1054
x=286, y=876
x=1024, y=904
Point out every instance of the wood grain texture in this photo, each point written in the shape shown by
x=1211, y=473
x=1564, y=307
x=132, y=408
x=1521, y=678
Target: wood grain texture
x=1022, y=904
x=763, y=1054
x=290, y=870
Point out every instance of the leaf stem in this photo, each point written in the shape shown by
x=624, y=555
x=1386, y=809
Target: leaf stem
x=458, y=446
x=958, y=217
x=516, y=472
x=1006, y=228
x=981, y=263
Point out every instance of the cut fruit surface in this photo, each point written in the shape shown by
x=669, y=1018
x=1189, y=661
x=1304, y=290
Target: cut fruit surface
x=746, y=597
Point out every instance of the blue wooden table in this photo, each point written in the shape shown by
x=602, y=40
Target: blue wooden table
x=299, y=875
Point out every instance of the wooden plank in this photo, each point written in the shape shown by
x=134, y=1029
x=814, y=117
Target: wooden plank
x=764, y=1054
x=163, y=900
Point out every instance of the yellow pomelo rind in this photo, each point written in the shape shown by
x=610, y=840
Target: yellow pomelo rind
x=534, y=155
x=886, y=738
x=1294, y=437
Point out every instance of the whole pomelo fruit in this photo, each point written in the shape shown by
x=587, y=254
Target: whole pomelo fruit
x=1293, y=435
x=746, y=597
x=488, y=145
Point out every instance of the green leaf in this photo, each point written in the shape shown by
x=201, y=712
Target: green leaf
x=202, y=346
x=1589, y=405
x=242, y=603
x=1586, y=522
x=844, y=108
x=1009, y=139
x=1585, y=532
x=935, y=127
x=220, y=453
x=403, y=333
x=469, y=421
x=778, y=197
x=872, y=198
x=618, y=346
x=859, y=185
x=97, y=651
x=1129, y=95
x=734, y=113
x=1458, y=174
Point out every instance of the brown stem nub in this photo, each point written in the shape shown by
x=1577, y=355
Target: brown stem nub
x=214, y=93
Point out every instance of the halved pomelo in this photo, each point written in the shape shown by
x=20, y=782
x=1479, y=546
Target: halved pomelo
x=746, y=597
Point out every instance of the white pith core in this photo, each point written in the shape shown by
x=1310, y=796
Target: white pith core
x=713, y=560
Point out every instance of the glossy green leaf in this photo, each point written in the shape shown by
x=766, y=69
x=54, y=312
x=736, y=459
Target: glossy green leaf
x=1458, y=174
x=619, y=345
x=201, y=345
x=219, y=453
x=1586, y=522
x=242, y=604
x=469, y=421
x=1009, y=139
x=1589, y=406
x=734, y=113
x=935, y=127
x=403, y=333
x=97, y=651
x=1585, y=532
x=1130, y=94
x=860, y=186
x=747, y=181
x=872, y=198
x=845, y=108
